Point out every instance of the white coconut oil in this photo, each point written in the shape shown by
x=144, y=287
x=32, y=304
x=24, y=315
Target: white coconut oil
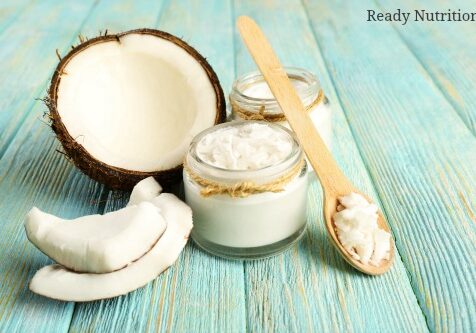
x=251, y=98
x=358, y=230
x=246, y=183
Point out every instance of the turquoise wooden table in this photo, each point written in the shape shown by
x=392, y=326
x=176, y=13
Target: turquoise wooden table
x=404, y=103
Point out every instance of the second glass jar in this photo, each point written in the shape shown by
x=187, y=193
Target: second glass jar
x=251, y=99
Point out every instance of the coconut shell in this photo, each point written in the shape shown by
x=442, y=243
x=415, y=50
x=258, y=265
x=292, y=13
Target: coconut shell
x=114, y=177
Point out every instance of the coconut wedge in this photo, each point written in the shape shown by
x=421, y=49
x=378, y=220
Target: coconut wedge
x=145, y=190
x=97, y=243
x=56, y=282
x=126, y=106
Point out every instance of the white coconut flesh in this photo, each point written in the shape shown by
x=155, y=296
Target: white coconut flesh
x=97, y=243
x=56, y=282
x=136, y=104
x=145, y=190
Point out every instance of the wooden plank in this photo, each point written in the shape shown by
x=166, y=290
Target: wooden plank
x=27, y=59
x=419, y=153
x=446, y=50
x=31, y=172
x=9, y=11
x=200, y=293
x=311, y=288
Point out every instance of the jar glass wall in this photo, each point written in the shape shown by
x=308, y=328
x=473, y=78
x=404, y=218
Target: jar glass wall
x=251, y=99
x=252, y=226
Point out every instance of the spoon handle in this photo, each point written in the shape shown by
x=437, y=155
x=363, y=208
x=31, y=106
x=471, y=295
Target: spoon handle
x=330, y=176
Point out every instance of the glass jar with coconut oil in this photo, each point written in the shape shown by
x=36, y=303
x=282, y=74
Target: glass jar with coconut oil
x=251, y=99
x=246, y=183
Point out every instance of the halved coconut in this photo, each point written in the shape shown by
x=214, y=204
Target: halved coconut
x=126, y=106
x=97, y=243
x=55, y=281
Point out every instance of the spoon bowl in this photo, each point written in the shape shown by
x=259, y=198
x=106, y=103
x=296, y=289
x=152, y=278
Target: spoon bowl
x=331, y=202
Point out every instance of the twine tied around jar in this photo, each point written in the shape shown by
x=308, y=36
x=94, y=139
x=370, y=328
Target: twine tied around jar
x=270, y=117
x=243, y=189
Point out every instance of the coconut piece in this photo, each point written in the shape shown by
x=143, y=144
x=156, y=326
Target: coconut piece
x=56, y=282
x=126, y=106
x=97, y=243
x=145, y=190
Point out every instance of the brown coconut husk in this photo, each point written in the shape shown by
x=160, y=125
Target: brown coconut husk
x=114, y=177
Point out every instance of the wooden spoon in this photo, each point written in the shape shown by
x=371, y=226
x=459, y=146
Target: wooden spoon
x=333, y=181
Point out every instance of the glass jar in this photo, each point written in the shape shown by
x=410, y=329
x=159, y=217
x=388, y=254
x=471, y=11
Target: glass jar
x=253, y=225
x=251, y=99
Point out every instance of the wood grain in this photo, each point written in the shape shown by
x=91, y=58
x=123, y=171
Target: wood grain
x=402, y=102
x=419, y=153
x=10, y=10
x=31, y=171
x=446, y=50
x=28, y=58
x=311, y=287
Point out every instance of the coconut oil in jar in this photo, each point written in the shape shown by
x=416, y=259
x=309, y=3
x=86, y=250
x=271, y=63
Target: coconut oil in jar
x=251, y=99
x=246, y=183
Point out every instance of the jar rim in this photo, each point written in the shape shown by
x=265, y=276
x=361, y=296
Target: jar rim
x=307, y=94
x=259, y=175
